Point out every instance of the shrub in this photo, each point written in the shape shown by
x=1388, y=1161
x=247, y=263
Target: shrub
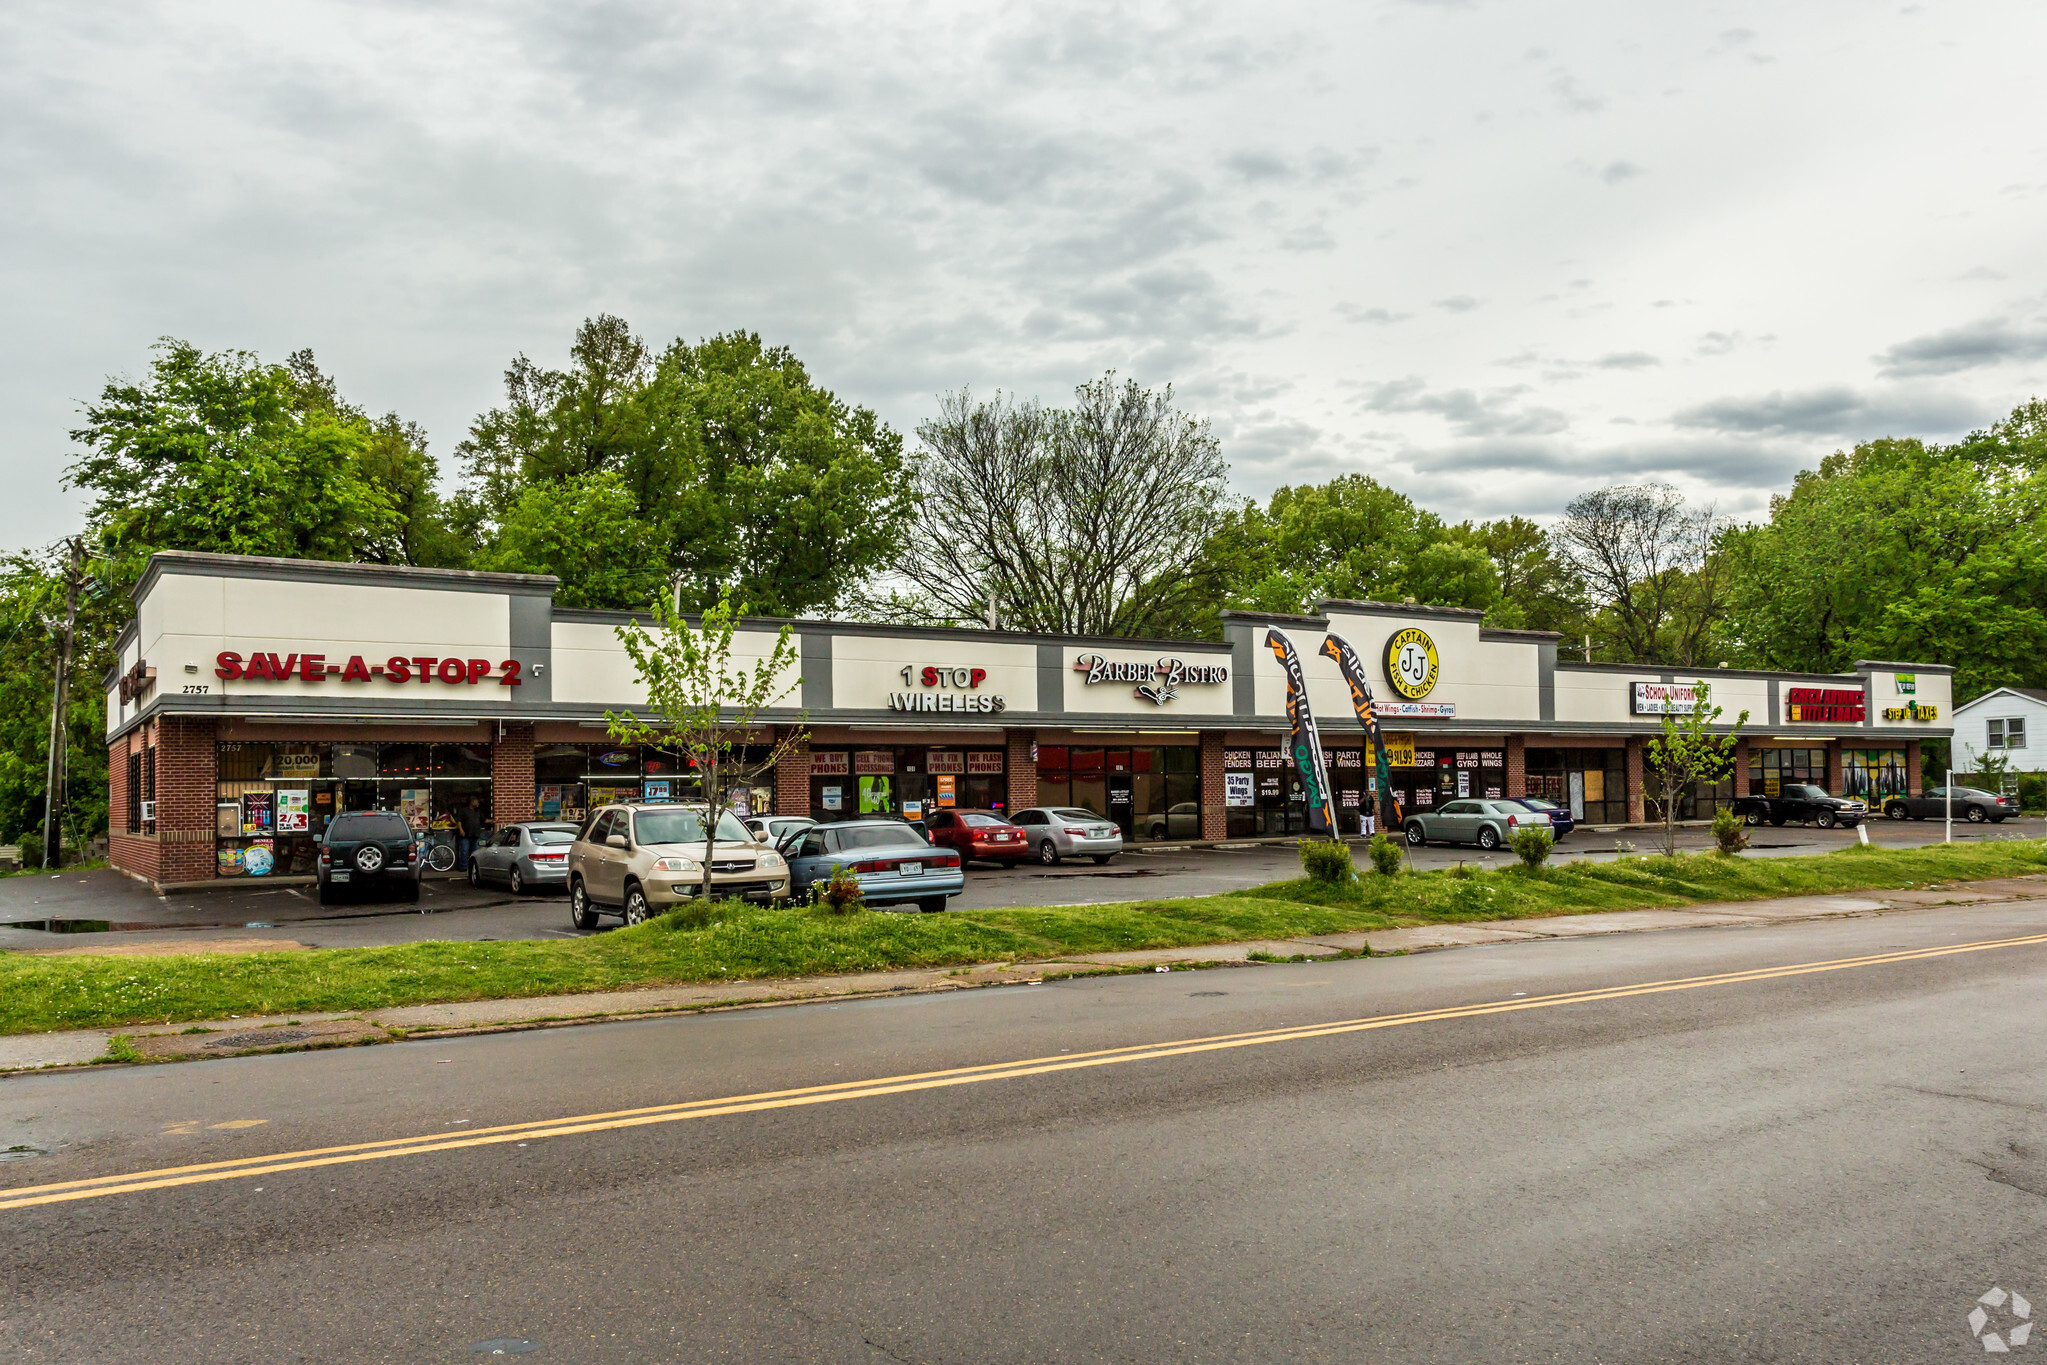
x=1531, y=844
x=31, y=845
x=1327, y=860
x=2032, y=791
x=1386, y=855
x=841, y=895
x=1728, y=833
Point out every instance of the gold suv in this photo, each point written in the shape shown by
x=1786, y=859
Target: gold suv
x=637, y=861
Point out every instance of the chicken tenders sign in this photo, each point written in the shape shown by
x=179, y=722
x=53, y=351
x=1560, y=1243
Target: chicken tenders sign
x=426, y=668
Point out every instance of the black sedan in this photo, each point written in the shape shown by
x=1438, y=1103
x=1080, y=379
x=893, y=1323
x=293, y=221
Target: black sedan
x=1970, y=803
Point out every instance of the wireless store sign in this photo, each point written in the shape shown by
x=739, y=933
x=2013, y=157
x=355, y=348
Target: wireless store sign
x=426, y=668
x=967, y=698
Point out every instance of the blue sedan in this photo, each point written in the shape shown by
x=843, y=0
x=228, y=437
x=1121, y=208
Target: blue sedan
x=1560, y=821
x=893, y=865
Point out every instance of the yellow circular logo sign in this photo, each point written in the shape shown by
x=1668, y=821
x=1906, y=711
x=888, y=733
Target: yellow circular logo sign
x=1411, y=663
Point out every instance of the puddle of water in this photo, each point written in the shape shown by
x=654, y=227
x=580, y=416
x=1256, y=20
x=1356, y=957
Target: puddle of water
x=21, y=1153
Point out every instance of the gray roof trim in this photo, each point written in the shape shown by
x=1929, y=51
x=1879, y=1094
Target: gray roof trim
x=1400, y=609
x=1504, y=633
x=334, y=571
x=1273, y=618
x=935, y=634
x=1644, y=672
x=2038, y=694
x=1897, y=665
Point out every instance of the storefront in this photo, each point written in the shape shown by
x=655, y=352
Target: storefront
x=233, y=742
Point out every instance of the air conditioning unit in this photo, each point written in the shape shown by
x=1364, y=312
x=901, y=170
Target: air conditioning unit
x=148, y=812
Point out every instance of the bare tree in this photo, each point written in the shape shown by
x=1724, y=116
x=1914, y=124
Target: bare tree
x=1649, y=559
x=1077, y=521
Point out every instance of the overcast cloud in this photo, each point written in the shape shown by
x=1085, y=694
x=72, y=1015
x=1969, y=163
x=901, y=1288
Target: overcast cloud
x=1492, y=254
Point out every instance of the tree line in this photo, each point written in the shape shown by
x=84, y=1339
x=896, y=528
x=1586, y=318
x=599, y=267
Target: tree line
x=693, y=471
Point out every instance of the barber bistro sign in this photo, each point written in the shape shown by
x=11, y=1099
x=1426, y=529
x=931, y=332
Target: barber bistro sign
x=1157, y=682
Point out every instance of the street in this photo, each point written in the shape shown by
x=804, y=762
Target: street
x=251, y=911
x=1807, y=1155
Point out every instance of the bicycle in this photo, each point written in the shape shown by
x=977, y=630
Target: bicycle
x=437, y=850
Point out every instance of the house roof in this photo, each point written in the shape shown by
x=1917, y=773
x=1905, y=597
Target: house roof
x=2038, y=694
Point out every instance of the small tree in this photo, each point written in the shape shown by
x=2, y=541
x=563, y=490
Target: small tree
x=1686, y=752
x=705, y=705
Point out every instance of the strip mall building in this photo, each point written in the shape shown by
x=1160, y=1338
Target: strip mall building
x=256, y=698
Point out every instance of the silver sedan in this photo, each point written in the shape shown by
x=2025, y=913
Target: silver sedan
x=524, y=857
x=1057, y=832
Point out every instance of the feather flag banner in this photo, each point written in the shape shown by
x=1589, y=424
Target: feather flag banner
x=1304, y=744
x=1352, y=665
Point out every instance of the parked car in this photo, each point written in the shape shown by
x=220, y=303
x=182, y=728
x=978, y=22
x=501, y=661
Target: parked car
x=1970, y=803
x=777, y=827
x=1057, y=832
x=637, y=861
x=1487, y=823
x=979, y=834
x=1179, y=822
x=367, y=849
x=524, y=857
x=892, y=863
x=1560, y=821
x=1804, y=803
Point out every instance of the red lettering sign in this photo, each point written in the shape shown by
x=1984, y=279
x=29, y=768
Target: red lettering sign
x=427, y=668
x=1825, y=705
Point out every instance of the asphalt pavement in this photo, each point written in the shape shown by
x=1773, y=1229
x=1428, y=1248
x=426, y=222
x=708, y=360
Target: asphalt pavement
x=252, y=912
x=1806, y=1142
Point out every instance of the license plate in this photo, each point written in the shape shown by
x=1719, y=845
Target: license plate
x=1099, y=833
x=337, y=876
x=910, y=869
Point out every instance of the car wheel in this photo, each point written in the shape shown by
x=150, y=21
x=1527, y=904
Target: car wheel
x=369, y=860
x=517, y=883
x=1415, y=837
x=1488, y=838
x=1896, y=810
x=1158, y=831
x=931, y=905
x=1825, y=819
x=636, y=911
x=1048, y=854
x=1752, y=817
x=582, y=914
x=1977, y=815
x=326, y=894
x=1101, y=858
x=475, y=873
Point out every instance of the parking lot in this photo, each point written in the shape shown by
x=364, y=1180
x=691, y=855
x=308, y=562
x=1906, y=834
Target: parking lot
x=100, y=907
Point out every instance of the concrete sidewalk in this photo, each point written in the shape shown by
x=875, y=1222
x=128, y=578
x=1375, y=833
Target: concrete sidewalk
x=236, y=1036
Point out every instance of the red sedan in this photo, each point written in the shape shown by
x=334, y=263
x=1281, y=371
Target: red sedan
x=980, y=834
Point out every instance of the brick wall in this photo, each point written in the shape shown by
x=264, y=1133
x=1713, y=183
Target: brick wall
x=792, y=781
x=1914, y=784
x=129, y=852
x=1517, y=766
x=1834, y=783
x=1637, y=808
x=1022, y=770
x=186, y=765
x=512, y=797
x=1741, y=767
x=1215, y=815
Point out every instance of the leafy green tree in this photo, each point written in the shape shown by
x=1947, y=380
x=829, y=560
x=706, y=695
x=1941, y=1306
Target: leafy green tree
x=1901, y=550
x=31, y=597
x=586, y=531
x=1688, y=752
x=748, y=476
x=1540, y=589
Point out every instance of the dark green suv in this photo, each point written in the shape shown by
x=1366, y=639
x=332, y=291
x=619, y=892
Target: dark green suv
x=369, y=849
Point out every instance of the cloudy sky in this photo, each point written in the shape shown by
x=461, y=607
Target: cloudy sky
x=1491, y=253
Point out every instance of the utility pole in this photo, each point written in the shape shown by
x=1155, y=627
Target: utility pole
x=53, y=795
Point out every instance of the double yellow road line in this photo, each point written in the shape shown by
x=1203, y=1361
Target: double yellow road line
x=246, y=1168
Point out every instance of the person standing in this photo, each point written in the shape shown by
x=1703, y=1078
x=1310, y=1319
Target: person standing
x=468, y=829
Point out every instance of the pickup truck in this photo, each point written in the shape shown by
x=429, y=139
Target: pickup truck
x=1804, y=803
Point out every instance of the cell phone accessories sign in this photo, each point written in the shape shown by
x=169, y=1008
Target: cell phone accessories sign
x=1669, y=699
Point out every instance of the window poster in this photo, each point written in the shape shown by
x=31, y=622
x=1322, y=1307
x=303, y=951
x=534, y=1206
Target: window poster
x=828, y=763
x=256, y=810
x=415, y=803
x=913, y=810
x=1237, y=789
x=550, y=803
x=834, y=798
x=1577, y=796
x=227, y=819
x=657, y=789
x=875, y=795
x=302, y=762
x=948, y=790
x=229, y=860
x=294, y=810
x=259, y=858
x=1463, y=782
x=741, y=799
x=985, y=763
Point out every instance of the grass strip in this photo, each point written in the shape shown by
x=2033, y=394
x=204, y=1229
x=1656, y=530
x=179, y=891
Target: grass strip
x=738, y=943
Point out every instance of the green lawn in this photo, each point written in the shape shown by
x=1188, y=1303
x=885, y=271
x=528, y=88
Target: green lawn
x=39, y=993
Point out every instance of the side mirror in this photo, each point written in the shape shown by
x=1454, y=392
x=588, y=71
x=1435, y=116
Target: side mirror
x=760, y=836
x=615, y=840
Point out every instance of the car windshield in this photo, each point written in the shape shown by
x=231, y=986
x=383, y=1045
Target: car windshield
x=369, y=827
x=1803, y=790
x=1076, y=815
x=984, y=821
x=1537, y=803
x=553, y=836
x=681, y=825
x=877, y=836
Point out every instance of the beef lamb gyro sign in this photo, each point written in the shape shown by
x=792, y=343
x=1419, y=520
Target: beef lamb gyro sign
x=1158, y=682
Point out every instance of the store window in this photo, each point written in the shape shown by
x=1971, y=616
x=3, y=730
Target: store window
x=1591, y=783
x=1770, y=769
x=1873, y=774
x=1152, y=792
